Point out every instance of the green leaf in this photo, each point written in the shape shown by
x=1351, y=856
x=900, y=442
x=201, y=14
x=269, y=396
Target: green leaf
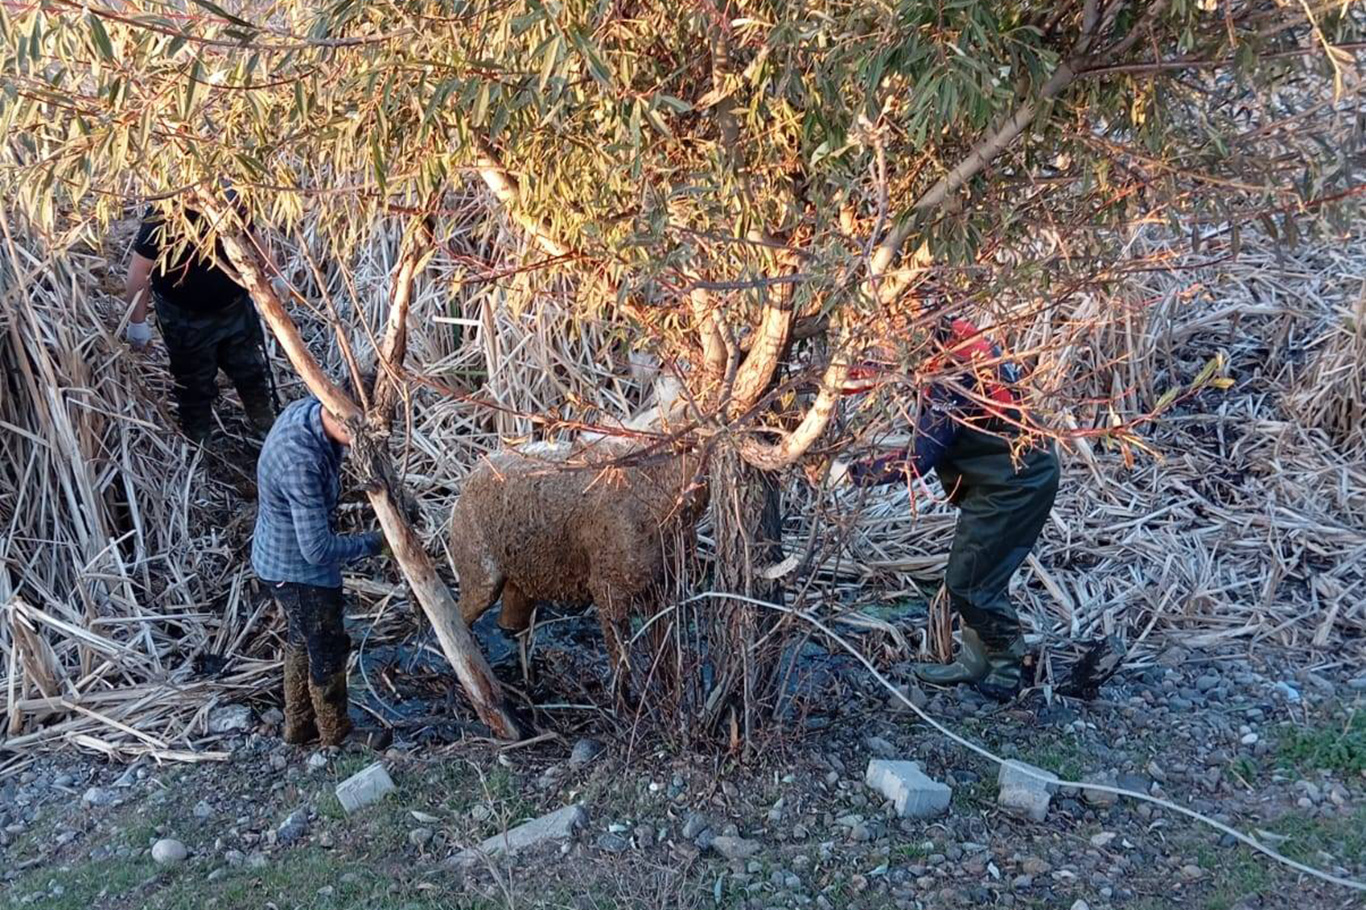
x=219, y=11
x=102, y=42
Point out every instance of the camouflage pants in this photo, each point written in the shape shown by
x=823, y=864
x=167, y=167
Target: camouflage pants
x=1002, y=509
x=201, y=344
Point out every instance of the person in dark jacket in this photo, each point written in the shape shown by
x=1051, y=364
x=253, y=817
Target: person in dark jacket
x=965, y=432
x=299, y=556
x=207, y=321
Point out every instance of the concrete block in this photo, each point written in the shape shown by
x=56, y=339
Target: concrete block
x=1026, y=789
x=913, y=794
x=364, y=788
x=558, y=825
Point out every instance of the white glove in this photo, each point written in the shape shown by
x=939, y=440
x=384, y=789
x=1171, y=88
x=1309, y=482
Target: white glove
x=839, y=474
x=139, y=334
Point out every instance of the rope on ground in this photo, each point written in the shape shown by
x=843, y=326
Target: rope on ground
x=1250, y=841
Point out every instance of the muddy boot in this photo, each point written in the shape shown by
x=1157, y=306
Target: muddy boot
x=261, y=413
x=1005, y=672
x=970, y=667
x=329, y=706
x=300, y=727
x=198, y=433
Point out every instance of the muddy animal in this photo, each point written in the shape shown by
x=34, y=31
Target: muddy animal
x=596, y=522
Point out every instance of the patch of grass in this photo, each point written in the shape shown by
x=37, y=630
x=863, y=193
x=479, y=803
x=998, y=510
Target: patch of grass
x=1334, y=747
x=1245, y=767
x=911, y=851
x=88, y=884
x=1062, y=758
x=1342, y=838
x=978, y=794
x=1233, y=875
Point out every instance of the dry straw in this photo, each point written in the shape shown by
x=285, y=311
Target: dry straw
x=129, y=613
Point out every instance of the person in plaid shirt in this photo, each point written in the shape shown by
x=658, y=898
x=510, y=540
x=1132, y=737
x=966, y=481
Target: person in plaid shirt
x=298, y=554
x=964, y=430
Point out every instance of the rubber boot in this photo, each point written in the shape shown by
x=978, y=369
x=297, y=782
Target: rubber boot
x=300, y=727
x=329, y=706
x=1005, y=672
x=970, y=667
x=198, y=433
x=261, y=414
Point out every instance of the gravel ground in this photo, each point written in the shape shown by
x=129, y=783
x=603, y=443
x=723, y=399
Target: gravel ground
x=1257, y=744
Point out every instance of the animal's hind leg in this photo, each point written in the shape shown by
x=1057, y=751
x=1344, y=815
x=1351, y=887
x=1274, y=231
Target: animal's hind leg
x=517, y=609
x=477, y=594
x=515, y=619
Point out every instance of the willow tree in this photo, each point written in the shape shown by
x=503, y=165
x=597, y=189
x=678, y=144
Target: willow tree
x=748, y=185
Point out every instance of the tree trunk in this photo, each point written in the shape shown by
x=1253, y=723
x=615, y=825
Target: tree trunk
x=746, y=506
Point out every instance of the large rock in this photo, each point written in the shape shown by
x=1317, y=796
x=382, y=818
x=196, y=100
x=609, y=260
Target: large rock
x=585, y=750
x=169, y=852
x=558, y=825
x=1026, y=789
x=230, y=719
x=293, y=829
x=913, y=794
x=364, y=788
x=99, y=797
x=735, y=847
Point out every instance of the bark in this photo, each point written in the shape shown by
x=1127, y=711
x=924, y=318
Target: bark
x=746, y=508
x=394, y=346
x=457, y=643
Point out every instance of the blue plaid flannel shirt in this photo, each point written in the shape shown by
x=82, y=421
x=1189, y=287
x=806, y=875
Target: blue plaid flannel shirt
x=298, y=482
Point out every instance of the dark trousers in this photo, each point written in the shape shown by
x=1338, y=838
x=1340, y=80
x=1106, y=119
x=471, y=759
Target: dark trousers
x=314, y=619
x=201, y=344
x=1002, y=507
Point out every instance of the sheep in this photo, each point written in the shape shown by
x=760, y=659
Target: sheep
x=570, y=524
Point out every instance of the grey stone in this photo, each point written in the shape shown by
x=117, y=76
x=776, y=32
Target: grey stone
x=420, y=837
x=613, y=843
x=585, y=750
x=735, y=847
x=694, y=824
x=364, y=788
x=913, y=794
x=203, y=810
x=1139, y=783
x=234, y=857
x=293, y=829
x=317, y=761
x=230, y=719
x=1359, y=684
x=1026, y=789
x=99, y=797
x=1099, y=798
x=914, y=694
x=558, y=825
x=169, y=852
x=1287, y=691
x=879, y=746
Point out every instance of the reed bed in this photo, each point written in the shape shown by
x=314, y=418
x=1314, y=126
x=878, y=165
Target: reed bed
x=128, y=613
